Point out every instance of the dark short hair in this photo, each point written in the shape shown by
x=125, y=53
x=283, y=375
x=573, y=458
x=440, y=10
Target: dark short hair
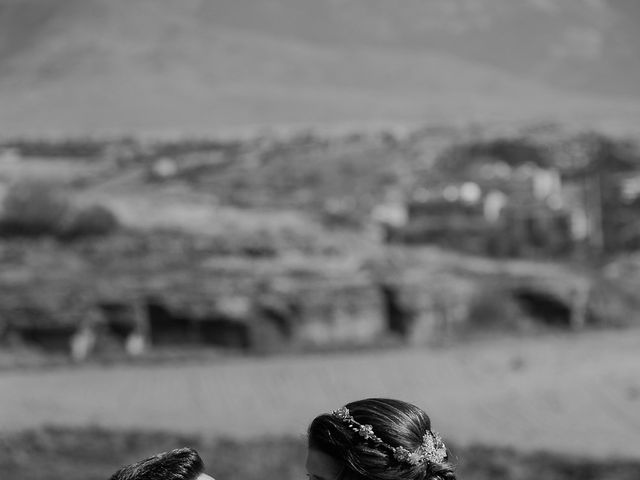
x=396, y=422
x=178, y=464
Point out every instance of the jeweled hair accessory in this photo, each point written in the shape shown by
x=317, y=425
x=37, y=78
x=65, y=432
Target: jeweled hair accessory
x=432, y=448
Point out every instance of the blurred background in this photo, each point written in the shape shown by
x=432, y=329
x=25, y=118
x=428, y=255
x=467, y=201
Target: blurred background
x=220, y=218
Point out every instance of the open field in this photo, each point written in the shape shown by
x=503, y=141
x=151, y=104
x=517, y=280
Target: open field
x=567, y=394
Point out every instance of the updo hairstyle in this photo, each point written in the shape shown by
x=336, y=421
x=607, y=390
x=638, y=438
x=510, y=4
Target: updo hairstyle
x=397, y=423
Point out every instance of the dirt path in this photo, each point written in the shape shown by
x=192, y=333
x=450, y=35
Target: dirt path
x=576, y=394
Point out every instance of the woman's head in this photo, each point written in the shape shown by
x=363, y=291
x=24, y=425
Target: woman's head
x=178, y=464
x=376, y=439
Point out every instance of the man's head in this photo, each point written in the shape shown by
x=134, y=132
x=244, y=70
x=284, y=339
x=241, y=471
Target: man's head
x=178, y=464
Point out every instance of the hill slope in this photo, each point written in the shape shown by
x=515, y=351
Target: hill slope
x=87, y=65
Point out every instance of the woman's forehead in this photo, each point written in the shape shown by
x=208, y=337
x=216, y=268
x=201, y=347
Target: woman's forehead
x=204, y=476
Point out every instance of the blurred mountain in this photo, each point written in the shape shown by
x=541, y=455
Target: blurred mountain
x=136, y=64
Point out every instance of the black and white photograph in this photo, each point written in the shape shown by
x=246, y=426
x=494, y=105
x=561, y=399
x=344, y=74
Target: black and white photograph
x=319, y=239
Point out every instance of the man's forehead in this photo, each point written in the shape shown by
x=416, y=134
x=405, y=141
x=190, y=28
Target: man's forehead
x=204, y=476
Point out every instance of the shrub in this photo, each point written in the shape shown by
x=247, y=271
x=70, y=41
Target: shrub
x=33, y=209
x=94, y=220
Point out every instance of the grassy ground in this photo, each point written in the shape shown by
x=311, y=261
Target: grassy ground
x=574, y=394
x=93, y=454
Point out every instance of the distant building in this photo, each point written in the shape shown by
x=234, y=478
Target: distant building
x=503, y=197
x=513, y=197
x=391, y=215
